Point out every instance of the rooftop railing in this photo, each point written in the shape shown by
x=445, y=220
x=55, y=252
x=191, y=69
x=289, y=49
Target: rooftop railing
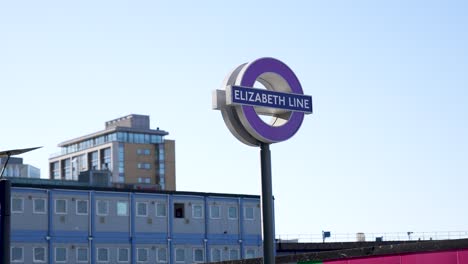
x=370, y=237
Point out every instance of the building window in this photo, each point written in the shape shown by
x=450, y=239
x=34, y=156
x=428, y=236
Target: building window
x=17, y=205
x=16, y=254
x=81, y=163
x=61, y=254
x=123, y=255
x=142, y=209
x=122, y=208
x=138, y=138
x=102, y=207
x=250, y=253
x=161, y=152
x=82, y=255
x=197, y=211
x=60, y=206
x=162, y=177
x=81, y=207
x=121, y=162
x=103, y=255
x=75, y=169
x=233, y=254
x=162, y=255
x=161, y=210
x=249, y=213
x=39, y=206
x=144, y=180
x=156, y=139
x=215, y=254
x=215, y=211
x=144, y=165
x=232, y=212
x=145, y=152
x=180, y=255
x=66, y=169
x=179, y=210
x=93, y=160
x=106, y=159
x=39, y=254
x=142, y=254
x=198, y=255
x=55, y=170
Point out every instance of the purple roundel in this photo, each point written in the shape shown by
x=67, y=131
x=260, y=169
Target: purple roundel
x=254, y=124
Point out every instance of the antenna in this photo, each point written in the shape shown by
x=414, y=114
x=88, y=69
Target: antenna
x=13, y=152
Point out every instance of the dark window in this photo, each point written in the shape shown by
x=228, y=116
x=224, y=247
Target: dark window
x=93, y=160
x=179, y=210
x=106, y=159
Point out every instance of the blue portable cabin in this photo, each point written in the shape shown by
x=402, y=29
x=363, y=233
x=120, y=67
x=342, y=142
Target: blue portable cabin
x=68, y=222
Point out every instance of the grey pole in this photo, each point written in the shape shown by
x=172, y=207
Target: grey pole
x=267, y=205
x=5, y=187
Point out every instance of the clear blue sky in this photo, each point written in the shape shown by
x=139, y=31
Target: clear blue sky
x=386, y=149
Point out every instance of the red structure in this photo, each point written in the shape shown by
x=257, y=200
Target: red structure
x=410, y=252
x=445, y=257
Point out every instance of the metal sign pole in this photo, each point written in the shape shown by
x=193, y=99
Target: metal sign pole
x=267, y=205
x=242, y=106
x=5, y=187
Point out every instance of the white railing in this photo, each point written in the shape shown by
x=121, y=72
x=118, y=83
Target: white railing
x=369, y=237
x=56, y=154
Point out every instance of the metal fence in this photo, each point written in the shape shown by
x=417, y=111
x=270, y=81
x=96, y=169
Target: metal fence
x=362, y=237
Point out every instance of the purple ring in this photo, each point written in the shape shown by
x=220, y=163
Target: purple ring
x=272, y=133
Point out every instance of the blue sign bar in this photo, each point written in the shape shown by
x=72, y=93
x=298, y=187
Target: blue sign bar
x=266, y=98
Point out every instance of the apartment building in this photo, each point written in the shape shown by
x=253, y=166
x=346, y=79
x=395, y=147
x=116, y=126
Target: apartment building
x=127, y=147
x=16, y=168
